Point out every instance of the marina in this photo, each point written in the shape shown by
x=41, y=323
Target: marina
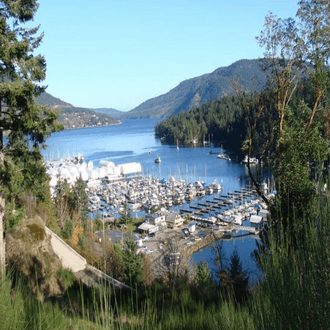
x=114, y=189
x=184, y=178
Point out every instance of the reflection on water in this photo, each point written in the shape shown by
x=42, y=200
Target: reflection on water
x=244, y=246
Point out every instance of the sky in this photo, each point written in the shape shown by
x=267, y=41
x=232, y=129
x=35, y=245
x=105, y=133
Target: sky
x=120, y=53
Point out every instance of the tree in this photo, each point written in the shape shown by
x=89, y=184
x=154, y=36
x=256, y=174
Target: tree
x=71, y=201
x=126, y=215
x=68, y=228
x=173, y=267
x=295, y=50
x=203, y=275
x=238, y=280
x=26, y=124
x=132, y=262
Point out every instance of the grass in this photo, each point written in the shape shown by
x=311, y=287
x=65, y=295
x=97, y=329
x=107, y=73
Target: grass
x=294, y=294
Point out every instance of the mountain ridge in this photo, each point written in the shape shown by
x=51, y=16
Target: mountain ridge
x=186, y=95
x=202, y=89
x=72, y=117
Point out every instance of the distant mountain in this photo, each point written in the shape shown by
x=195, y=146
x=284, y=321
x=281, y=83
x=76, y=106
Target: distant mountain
x=81, y=117
x=110, y=112
x=196, y=91
x=53, y=102
x=73, y=117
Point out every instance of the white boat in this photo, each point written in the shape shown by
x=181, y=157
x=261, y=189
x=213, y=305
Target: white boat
x=253, y=161
x=222, y=156
x=158, y=160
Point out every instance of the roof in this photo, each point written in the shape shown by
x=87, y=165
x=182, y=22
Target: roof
x=255, y=219
x=146, y=226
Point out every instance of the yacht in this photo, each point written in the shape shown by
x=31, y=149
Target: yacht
x=158, y=160
x=253, y=161
x=222, y=156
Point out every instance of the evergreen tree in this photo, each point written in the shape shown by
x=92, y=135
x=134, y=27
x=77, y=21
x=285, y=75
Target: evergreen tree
x=132, y=263
x=68, y=228
x=238, y=279
x=26, y=124
x=203, y=275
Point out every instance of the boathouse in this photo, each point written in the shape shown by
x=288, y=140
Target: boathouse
x=256, y=221
x=147, y=228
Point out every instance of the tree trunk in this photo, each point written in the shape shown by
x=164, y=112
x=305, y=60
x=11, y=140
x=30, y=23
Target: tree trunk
x=2, y=208
x=2, y=242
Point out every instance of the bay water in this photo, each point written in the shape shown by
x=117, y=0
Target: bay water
x=134, y=141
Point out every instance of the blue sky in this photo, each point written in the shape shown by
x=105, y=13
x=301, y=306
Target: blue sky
x=118, y=54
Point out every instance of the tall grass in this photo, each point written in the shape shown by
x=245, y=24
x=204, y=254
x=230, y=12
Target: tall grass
x=294, y=294
x=21, y=310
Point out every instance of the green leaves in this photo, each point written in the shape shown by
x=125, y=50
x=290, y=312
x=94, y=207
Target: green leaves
x=26, y=123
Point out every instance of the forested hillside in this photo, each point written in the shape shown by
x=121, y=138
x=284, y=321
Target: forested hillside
x=53, y=102
x=74, y=117
x=80, y=117
x=224, y=121
x=203, y=89
x=110, y=112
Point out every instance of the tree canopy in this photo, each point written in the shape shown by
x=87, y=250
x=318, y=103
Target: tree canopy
x=25, y=124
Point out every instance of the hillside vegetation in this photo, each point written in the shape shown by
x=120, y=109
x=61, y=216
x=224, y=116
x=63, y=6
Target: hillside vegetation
x=74, y=117
x=203, y=89
x=80, y=117
x=51, y=101
x=224, y=122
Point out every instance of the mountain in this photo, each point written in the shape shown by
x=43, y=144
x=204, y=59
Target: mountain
x=81, y=117
x=196, y=91
x=53, y=102
x=110, y=112
x=73, y=117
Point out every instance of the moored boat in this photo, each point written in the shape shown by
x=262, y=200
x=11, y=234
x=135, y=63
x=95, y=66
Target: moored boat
x=222, y=156
x=253, y=160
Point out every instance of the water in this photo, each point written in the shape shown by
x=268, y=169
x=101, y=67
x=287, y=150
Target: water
x=131, y=141
x=244, y=246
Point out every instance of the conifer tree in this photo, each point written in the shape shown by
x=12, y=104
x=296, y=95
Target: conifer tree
x=25, y=123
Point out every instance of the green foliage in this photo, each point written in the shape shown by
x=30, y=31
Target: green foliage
x=68, y=228
x=126, y=215
x=132, y=262
x=294, y=292
x=197, y=91
x=292, y=50
x=82, y=240
x=47, y=99
x=67, y=277
x=73, y=117
x=234, y=280
x=203, y=275
x=78, y=199
x=13, y=216
x=98, y=224
x=20, y=309
x=71, y=201
x=26, y=123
